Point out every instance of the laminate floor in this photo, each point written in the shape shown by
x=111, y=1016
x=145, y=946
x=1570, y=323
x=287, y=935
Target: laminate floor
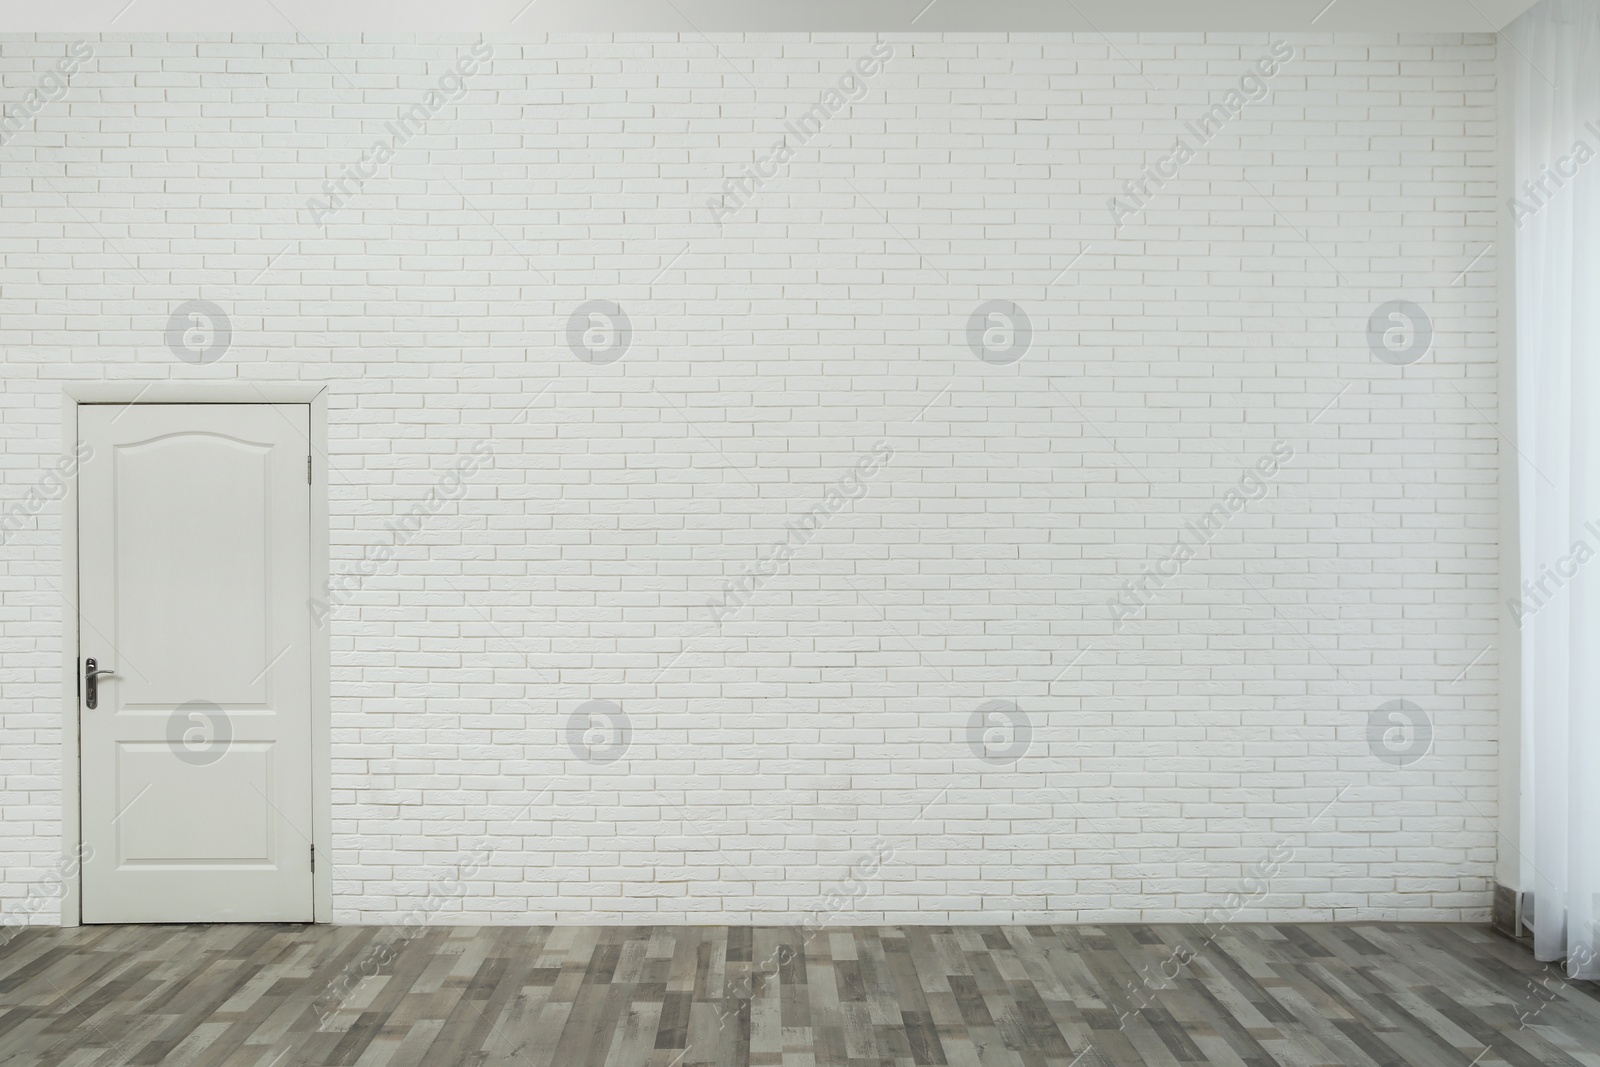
x=1091, y=996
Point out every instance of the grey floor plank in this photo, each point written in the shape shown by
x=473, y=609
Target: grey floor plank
x=1269, y=995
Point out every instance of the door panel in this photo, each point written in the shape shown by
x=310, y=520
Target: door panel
x=194, y=621
x=234, y=826
x=194, y=557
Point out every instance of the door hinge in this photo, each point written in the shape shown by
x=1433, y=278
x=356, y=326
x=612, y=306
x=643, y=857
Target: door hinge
x=313, y=859
x=308, y=470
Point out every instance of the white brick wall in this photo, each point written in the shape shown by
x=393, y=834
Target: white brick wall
x=1212, y=744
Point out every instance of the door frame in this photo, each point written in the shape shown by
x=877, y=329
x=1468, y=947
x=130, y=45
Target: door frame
x=170, y=392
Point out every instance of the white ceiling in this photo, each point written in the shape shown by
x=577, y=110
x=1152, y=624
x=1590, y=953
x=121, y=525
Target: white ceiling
x=510, y=17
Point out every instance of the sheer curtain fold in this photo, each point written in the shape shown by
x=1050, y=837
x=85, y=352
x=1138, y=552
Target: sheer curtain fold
x=1555, y=127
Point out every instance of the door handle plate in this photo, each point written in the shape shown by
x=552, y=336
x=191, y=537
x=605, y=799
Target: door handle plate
x=91, y=682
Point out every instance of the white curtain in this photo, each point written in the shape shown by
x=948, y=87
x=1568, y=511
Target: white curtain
x=1554, y=58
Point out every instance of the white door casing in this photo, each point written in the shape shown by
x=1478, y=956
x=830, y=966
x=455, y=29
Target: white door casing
x=193, y=561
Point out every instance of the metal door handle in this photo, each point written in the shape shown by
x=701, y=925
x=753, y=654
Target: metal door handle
x=91, y=682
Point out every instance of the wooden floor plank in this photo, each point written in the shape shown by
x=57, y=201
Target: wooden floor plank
x=1279, y=995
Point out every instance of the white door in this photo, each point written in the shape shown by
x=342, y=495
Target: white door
x=193, y=578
